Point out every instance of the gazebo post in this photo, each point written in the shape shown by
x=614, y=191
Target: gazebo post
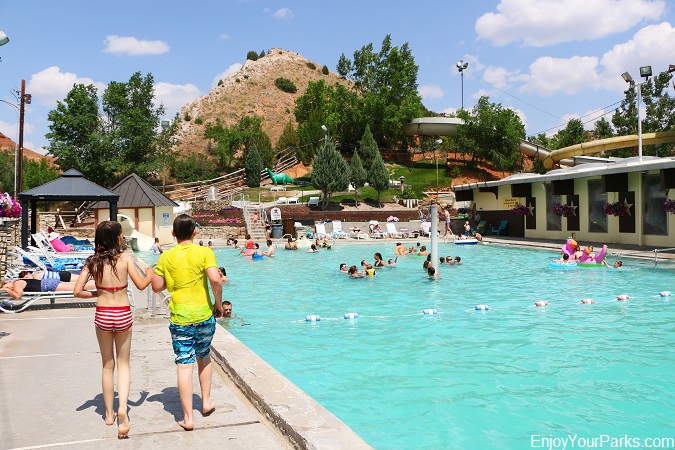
x=33, y=217
x=24, y=224
x=113, y=210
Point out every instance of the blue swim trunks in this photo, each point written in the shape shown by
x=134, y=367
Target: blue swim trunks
x=192, y=340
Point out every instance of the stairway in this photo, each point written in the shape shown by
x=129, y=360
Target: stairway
x=256, y=230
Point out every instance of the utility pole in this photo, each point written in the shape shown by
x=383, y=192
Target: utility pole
x=25, y=100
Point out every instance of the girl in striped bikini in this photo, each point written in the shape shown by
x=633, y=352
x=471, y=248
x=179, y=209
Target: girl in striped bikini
x=110, y=268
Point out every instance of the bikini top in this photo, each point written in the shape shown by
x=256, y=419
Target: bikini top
x=112, y=289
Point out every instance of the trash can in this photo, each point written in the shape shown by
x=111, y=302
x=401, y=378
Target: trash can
x=277, y=230
x=289, y=227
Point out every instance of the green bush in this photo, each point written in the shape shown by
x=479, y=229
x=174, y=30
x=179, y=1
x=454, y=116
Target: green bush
x=186, y=117
x=199, y=121
x=245, y=77
x=324, y=70
x=252, y=55
x=237, y=80
x=220, y=82
x=456, y=172
x=262, y=54
x=311, y=65
x=286, y=85
x=408, y=193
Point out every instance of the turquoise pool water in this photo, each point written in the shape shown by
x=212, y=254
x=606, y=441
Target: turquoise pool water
x=499, y=379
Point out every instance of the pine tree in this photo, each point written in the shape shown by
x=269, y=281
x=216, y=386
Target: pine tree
x=330, y=172
x=253, y=165
x=378, y=176
x=288, y=138
x=358, y=175
x=368, y=149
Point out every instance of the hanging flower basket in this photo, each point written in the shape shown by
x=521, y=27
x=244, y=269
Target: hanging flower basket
x=520, y=210
x=563, y=210
x=9, y=208
x=463, y=210
x=670, y=206
x=617, y=209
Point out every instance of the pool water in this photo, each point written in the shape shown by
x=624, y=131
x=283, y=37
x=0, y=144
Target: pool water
x=463, y=378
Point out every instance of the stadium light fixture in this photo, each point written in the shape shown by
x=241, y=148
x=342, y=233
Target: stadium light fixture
x=3, y=38
x=461, y=66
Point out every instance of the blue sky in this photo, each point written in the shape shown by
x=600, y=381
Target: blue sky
x=549, y=60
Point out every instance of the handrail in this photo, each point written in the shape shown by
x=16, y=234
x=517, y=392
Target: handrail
x=642, y=253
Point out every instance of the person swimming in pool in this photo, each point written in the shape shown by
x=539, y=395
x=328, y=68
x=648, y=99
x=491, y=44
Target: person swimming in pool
x=344, y=268
x=354, y=272
x=291, y=244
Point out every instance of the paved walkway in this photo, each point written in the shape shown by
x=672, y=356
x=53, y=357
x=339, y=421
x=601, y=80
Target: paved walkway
x=50, y=390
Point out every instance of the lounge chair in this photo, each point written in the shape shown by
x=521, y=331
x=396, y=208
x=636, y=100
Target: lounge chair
x=501, y=228
x=480, y=228
x=392, y=232
x=357, y=233
x=338, y=232
x=33, y=257
x=320, y=231
x=9, y=304
x=313, y=201
x=283, y=200
x=374, y=233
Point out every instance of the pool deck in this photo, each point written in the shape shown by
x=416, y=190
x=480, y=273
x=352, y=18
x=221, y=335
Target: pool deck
x=50, y=371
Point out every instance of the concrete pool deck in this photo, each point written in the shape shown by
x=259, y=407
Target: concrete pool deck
x=50, y=371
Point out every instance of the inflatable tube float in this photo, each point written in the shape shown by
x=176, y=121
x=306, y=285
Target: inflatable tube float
x=597, y=259
x=467, y=241
x=561, y=265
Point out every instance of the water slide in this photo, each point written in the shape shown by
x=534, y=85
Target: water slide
x=447, y=126
x=139, y=242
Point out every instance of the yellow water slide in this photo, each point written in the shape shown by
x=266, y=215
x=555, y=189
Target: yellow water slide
x=601, y=145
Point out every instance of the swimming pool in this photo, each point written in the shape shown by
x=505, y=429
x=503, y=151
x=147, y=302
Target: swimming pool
x=462, y=378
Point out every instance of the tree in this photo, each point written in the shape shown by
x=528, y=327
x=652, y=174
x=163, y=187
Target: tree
x=491, y=133
x=253, y=165
x=238, y=138
x=192, y=167
x=107, y=145
x=288, y=138
x=37, y=173
x=572, y=134
x=252, y=55
x=330, y=172
x=603, y=129
x=357, y=175
x=369, y=150
x=378, y=176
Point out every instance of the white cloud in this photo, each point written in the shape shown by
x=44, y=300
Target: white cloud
x=539, y=23
x=51, y=85
x=283, y=14
x=175, y=96
x=480, y=93
x=497, y=76
x=653, y=45
x=230, y=70
x=10, y=129
x=549, y=75
x=520, y=113
x=121, y=45
x=224, y=36
x=431, y=91
x=449, y=111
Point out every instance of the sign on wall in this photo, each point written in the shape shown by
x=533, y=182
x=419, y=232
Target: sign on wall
x=275, y=214
x=165, y=220
x=511, y=202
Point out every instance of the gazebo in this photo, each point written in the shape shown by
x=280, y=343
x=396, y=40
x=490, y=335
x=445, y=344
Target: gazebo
x=71, y=186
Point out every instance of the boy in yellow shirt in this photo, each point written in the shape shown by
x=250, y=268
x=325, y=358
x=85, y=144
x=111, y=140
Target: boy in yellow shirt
x=184, y=271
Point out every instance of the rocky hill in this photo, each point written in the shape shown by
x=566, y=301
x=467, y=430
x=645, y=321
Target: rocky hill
x=9, y=145
x=249, y=91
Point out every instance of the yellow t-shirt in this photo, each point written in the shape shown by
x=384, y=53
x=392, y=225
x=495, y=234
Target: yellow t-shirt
x=184, y=269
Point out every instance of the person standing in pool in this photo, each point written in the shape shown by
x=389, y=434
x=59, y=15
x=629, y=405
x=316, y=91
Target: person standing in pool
x=185, y=271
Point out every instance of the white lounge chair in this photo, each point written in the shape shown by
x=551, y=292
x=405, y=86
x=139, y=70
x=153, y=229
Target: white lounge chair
x=293, y=200
x=282, y=200
x=313, y=201
x=320, y=231
x=33, y=257
x=338, y=232
x=392, y=232
x=358, y=234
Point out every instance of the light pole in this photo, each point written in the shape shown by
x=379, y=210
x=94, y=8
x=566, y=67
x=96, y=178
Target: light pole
x=437, y=142
x=461, y=65
x=165, y=127
x=645, y=72
x=325, y=134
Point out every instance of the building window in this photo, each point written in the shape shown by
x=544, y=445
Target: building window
x=654, y=215
x=553, y=222
x=597, y=197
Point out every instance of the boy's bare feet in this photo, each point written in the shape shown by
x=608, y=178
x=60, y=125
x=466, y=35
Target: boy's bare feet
x=122, y=425
x=110, y=418
x=185, y=425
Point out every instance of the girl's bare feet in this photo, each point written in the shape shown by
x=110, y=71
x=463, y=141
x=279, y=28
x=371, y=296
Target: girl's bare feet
x=208, y=409
x=122, y=425
x=185, y=425
x=110, y=418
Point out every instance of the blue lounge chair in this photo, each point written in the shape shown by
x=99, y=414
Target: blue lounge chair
x=501, y=228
